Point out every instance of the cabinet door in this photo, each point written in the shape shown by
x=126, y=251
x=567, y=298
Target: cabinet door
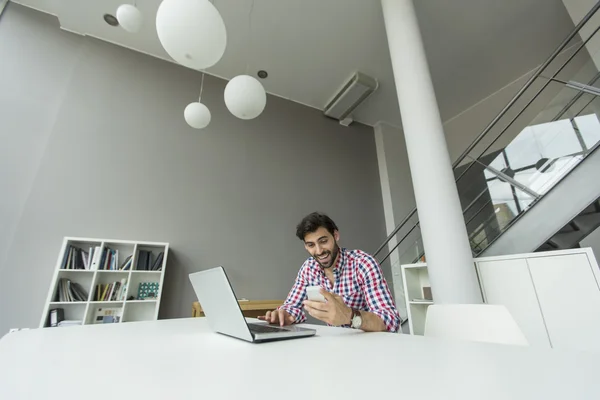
x=570, y=300
x=508, y=283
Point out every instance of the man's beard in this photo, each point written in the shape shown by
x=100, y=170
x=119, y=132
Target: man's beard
x=334, y=255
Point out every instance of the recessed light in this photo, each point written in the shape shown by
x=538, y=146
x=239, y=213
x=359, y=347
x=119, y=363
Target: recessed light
x=111, y=20
x=262, y=74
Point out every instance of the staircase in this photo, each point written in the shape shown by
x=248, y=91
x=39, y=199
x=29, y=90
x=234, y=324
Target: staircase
x=570, y=235
x=529, y=181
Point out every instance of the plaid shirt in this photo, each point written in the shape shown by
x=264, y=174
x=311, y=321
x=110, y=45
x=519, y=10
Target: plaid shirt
x=358, y=280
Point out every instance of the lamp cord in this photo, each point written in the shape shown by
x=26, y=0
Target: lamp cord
x=250, y=33
x=201, y=88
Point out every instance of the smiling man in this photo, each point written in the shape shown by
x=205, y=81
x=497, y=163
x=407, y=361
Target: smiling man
x=351, y=281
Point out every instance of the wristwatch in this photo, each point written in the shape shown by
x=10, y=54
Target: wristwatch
x=356, y=321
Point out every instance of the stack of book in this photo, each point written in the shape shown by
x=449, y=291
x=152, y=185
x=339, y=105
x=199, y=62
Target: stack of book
x=145, y=261
x=71, y=291
x=104, y=315
x=115, y=291
x=76, y=258
x=68, y=322
x=108, y=259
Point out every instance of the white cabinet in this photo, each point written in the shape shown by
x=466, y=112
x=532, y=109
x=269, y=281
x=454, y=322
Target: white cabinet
x=508, y=283
x=569, y=300
x=553, y=296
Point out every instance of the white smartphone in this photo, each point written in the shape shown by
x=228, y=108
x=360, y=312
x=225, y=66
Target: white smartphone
x=313, y=293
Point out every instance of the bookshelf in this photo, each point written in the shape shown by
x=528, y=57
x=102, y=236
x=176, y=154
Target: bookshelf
x=415, y=278
x=103, y=277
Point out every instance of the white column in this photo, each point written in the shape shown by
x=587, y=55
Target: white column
x=449, y=260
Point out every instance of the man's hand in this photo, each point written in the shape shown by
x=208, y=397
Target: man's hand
x=334, y=312
x=279, y=316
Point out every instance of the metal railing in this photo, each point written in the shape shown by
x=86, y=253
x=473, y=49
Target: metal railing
x=466, y=153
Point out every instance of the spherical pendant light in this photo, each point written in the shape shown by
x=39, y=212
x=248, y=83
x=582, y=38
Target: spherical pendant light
x=245, y=97
x=197, y=115
x=192, y=32
x=130, y=18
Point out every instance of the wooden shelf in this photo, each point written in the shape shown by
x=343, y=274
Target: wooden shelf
x=426, y=303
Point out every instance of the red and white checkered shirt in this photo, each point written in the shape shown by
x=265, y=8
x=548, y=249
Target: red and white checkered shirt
x=358, y=280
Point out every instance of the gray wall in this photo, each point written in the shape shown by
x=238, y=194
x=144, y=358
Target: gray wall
x=95, y=144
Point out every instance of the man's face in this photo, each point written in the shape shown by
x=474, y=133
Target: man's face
x=323, y=246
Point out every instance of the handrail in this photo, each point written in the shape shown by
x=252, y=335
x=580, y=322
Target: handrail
x=527, y=84
x=501, y=114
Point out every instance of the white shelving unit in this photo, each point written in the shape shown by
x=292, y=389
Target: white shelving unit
x=130, y=310
x=415, y=277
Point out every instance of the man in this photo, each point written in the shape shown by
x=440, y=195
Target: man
x=351, y=280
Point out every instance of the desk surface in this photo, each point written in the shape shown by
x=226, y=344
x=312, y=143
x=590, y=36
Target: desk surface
x=182, y=359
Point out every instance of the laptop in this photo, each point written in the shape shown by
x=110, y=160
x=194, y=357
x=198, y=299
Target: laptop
x=224, y=314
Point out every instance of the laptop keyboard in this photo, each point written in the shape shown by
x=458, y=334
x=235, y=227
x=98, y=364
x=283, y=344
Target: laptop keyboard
x=265, y=329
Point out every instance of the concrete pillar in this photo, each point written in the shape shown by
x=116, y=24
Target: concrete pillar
x=450, y=263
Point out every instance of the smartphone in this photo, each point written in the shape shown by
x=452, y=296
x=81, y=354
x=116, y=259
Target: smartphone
x=313, y=293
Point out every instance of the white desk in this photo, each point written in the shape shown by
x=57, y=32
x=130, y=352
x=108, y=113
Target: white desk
x=182, y=359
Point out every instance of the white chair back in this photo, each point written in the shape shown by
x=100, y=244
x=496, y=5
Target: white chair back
x=475, y=322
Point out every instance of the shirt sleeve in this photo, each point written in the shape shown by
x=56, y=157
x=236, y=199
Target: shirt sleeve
x=377, y=293
x=293, y=303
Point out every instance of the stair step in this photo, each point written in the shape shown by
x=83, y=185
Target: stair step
x=567, y=240
x=587, y=222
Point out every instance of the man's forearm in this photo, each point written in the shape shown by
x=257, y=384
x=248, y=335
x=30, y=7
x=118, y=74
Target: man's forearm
x=372, y=322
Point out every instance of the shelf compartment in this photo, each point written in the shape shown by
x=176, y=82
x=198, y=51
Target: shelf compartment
x=72, y=310
x=83, y=278
x=102, y=311
x=122, y=252
x=83, y=245
x=140, y=277
x=143, y=310
x=108, y=277
x=154, y=251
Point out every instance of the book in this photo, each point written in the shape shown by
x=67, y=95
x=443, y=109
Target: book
x=123, y=289
x=65, y=257
x=107, y=257
x=79, y=292
x=158, y=262
x=108, y=315
x=65, y=323
x=69, y=260
x=96, y=258
x=79, y=259
x=90, y=255
x=71, y=291
x=57, y=315
x=142, y=260
x=127, y=260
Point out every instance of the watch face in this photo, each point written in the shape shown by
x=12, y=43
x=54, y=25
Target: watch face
x=356, y=321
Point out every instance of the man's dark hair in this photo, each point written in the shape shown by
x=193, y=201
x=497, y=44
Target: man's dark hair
x=314, y=221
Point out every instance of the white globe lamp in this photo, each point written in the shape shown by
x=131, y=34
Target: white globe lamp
x=130, y=18
x=245, y=97
x=197, y=115
x=192, y=32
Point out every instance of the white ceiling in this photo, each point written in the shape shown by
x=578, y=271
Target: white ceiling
x=311, y=47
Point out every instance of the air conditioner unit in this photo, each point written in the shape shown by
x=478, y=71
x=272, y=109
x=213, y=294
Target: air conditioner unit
x=356, y=90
